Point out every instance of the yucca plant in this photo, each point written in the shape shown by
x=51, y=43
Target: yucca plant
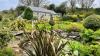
x=41, y=43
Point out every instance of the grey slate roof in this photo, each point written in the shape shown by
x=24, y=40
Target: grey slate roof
x=42, y=10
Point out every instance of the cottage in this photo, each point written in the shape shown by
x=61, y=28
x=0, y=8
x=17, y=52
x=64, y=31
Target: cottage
x=43, y=13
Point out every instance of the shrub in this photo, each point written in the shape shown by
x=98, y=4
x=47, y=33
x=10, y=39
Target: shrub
x=20, y=9
x=96, y=34
x=5, y=37
x=95, y=50
x=28, y=14
x=18, y=24
x=26, y=11
x=83, y=50
x=5, y=22
x=43, y=43
x=66, y=18
x=0, y=17
x=73, y=18
x=6, y=52
x=97, y=11
x=92, y=22
x=77, y=27
x=35, y=18
x=86, y=35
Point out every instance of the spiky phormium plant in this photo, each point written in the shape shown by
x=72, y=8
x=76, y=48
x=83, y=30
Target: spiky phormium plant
x=41, y=43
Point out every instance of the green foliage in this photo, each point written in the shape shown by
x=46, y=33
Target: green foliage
x=96, y=34
x=18, y=24
x=51, y=7
x=5, y=22
x=73, y=18
x=77, y=27
x=20, y=10
x=95, y=50
x=86, y=35
x=5, y=37
x=26, y=11
x=35, y=17
x=67, y=18
x=43, y=44
x=61, y=9
x=92, y=22
x=97, y=11
x=6, y=52
x=28, y=14
x=1, y=17
x=83, y=50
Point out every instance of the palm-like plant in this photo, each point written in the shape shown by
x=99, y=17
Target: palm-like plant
x=42, y=44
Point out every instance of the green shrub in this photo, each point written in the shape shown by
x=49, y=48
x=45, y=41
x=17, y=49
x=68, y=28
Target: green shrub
x=28, y=14
x=83, y=50
x=95, y=50
x=35, y=17
x=18, y=24
x=77, y=27
x=6, y=52
x=96, y=34
x=26, y=11
x=5, y=37
x=73, y=18
x=66, y=18
x=86, y=35
x=20, y=9
x=5, y=22
x=97, y=11
x=92, y=22
x=0, y=17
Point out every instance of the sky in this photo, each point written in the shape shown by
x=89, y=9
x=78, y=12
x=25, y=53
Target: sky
x=7, y=4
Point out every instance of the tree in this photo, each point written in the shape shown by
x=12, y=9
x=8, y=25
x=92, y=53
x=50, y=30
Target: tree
x=20, y=10
x=89, y=3
x=61, y=9
x=28, y=14
x=25, y=12
x=85, y=3
x=36, y=3
x=51, y=7
x=72, y=4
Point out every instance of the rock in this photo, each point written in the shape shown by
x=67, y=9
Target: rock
x=74, y=35
x=64, y=35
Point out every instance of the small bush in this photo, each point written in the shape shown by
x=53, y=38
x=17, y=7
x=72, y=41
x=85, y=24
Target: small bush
x=26, y=11
x=95, y=49
x=5, y=37
x=28, y=14
x=67, y=18
x=92, y=22
x=96, y=34
x=6, y=52
x=86, y=35
x=0, y=17
x=76, y=27
x=73, y=18
x=35, y=18
x=20, y=10
x=83, y=50
x=18, y=24
x=97, y=11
